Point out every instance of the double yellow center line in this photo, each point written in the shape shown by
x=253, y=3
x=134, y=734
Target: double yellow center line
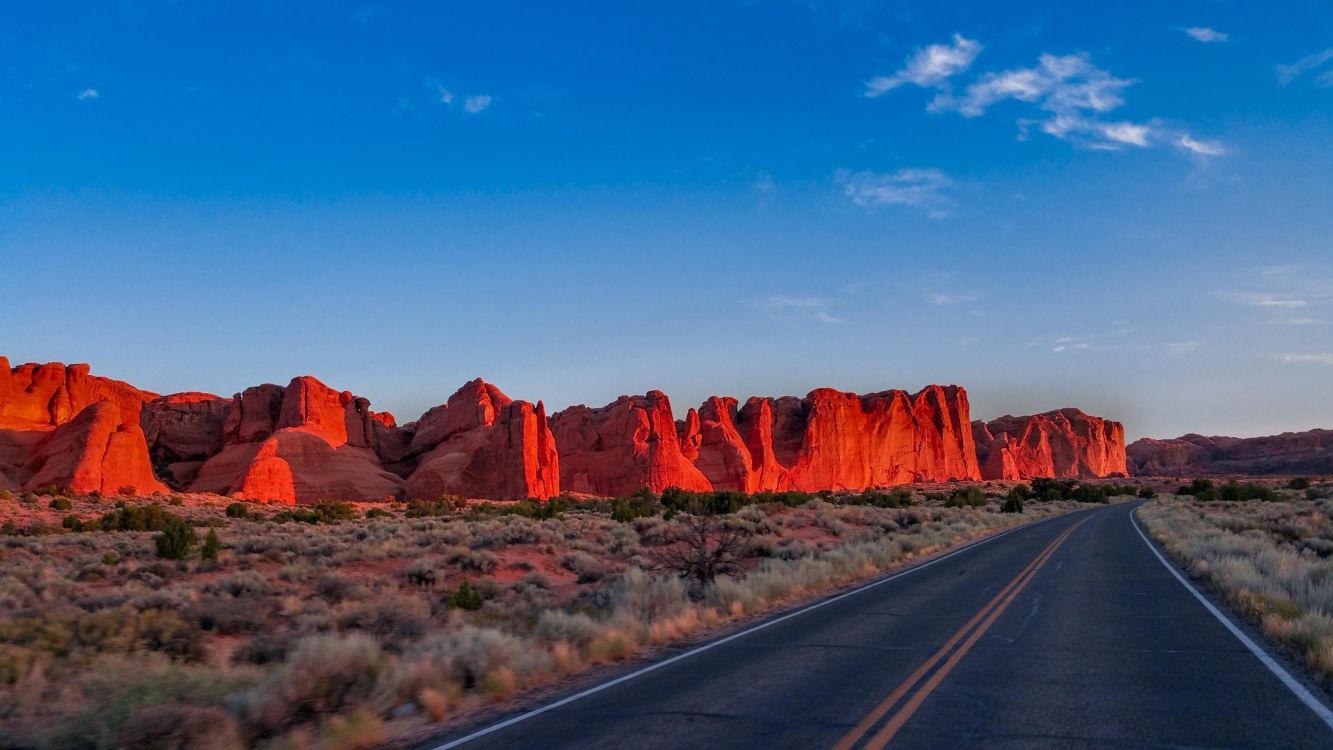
x=968, y=635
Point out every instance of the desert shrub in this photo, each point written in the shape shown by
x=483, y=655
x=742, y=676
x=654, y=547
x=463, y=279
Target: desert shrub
x=540, y=510
x=325, y=674
x=243, y=583
x=212, y=546
x=1196, y=487
x=60, y=503
x=479, y=560
x=175, y=726
x=589, y=569
x=446, y=505
x=422, y=572
x=176, y=540
x=6, y=495
x=238, y=510
x=324, y=511
x=1238, y=492
x=1013, y=503
x=1299, y=483
x=465, y=597
x=895, y=498
x=468, y=656
x=394, y=616
x=378, y=513
x=336, y=587
x=1147, y=493
x=556, y=626
x=137, y=518
x=969, y=497
x=639, y=505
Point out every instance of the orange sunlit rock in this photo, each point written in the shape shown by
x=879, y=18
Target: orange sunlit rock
x=1065, y=443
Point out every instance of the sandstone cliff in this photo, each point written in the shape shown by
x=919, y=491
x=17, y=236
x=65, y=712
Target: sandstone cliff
x=1065, y=443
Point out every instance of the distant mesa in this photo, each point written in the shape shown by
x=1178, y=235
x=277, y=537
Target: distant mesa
x=1309, y=452
x=306, y=441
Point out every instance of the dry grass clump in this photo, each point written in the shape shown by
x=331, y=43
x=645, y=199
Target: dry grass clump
x=331, y=627
x=1272, y=560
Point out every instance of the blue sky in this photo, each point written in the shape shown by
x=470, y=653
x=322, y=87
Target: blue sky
x=1124, y=208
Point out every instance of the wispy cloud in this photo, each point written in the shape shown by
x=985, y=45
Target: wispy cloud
x=786, y=307
x=446, y=96
x=930, y=66
x=951, y=298
x=1097, y=340
x=1183, y=347
x=1299, y=322
x=1288, y=73
x=1205, y=34
x=1073, y=95
x=918, y=188
x=476, y=103
x=88, y=94
x=1308, y=358
x=1264, y=299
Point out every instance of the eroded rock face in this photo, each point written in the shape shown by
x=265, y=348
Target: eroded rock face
x=484, y=444
x=33, y=396
x=1065, y=443
x=300, y=443
x=1309, y=452
x=623, y=446
x=827, y=440
x=838, y=440
x=98, y=451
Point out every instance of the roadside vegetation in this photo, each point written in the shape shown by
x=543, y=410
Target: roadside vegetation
x=1268, y=549
x=203, y=622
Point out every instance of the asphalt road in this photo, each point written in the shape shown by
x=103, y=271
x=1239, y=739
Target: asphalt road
x=1065, y=634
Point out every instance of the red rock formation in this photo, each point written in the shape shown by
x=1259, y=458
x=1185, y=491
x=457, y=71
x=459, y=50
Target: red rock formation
x=828, y=440
x=95, y=451
x=484, y=444
x=34, y=396
x=1309, y=452
x=623, y=446
x=837, y=440
x=183, y=431
x=1065, y=443
x=302, y=443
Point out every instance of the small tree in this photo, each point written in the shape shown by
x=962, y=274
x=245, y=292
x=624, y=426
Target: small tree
x=176, y=540
x=1013, y=503
x=706, y=545
x=212, y=546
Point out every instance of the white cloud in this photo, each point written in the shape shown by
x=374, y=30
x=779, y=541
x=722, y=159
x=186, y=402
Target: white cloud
x=929, y=67
x=476, y=103
x=446, y=96
x=950, y=298
x=1288, y=73
x=1091, y=340
x=1072, y=94
x=918, y=188
x=1312, y=358
x=1264, y=299
x=1202, y=148
x=791, y=308
x=763, y=182
x=1299, y=322
x=88, y=94
x=1183, y=347
x=1205, y=34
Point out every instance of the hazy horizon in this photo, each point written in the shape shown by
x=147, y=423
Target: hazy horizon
x=1122, y=209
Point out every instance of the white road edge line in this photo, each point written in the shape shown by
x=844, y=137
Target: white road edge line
x=713, y=644
x=1294, y=685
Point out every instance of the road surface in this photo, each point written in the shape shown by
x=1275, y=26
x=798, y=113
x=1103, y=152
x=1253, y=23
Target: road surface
x=1067, y=633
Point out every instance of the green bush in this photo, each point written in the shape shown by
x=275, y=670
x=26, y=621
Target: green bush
x=1013, y=503
x=135, y=518
x=238, y=510
x=60, y=503
x=1299, y=483
x=639, y=505
x=324, y=511
x=446, y=505
x=378, y=513
x=1196, y=487
x=969, y=497
x=176, y=540
x=465, y=597
x=1147, y=493
x=212, y=546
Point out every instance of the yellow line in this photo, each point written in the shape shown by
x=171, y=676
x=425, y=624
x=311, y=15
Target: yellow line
x=883, y=707
x=895, y=723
